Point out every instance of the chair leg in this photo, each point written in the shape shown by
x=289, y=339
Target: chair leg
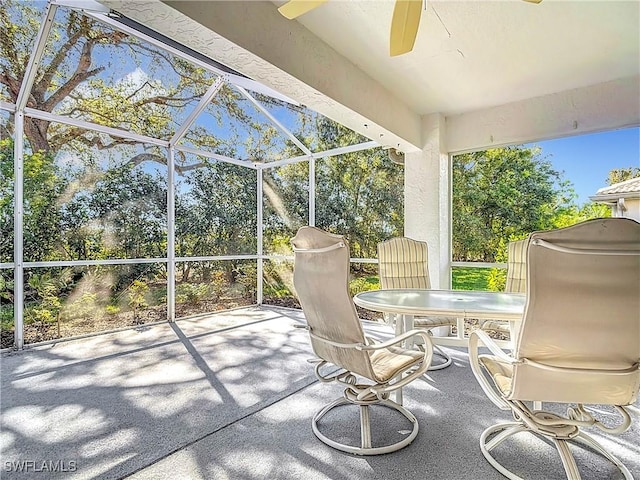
x=507, y=430
x=504, y=431
x=365, y=427
x=447, y=359
x=365, y=447
x=438, y=351
x=591, y=442
x=568, y=462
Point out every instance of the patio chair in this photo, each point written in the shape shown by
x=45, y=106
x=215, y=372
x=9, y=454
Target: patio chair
x=578, y=343
x=403, y=263
x=516, y=282
x=369, y=371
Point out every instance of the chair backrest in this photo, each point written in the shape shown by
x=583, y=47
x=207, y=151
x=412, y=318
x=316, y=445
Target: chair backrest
x=516, y=267
x=403, y=263
x=321, y=281
x=582, y=314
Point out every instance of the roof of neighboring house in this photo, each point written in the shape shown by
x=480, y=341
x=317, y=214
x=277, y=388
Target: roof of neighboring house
x=627, y=189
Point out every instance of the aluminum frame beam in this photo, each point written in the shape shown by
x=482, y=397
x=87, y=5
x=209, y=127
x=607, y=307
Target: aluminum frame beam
x=259, y=233
x=34, y=60
x=235, y=79
x=274, y=120
x=115, y=132
x=8, y=107
x=18, y=231
x=171, y=235
x=215, y=156
x=204, y=101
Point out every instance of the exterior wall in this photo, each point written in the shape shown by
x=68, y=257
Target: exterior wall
x=632, y=206
x=427, y=198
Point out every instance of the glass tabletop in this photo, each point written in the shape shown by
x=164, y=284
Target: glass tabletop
x=459, y=303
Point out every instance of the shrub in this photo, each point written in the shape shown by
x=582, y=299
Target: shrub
x=363, y=284
x=191, y=293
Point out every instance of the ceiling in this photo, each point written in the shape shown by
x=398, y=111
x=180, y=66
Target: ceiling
x=471, y=55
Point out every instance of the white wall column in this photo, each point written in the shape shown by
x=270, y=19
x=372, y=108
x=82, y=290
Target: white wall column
x=427, y=198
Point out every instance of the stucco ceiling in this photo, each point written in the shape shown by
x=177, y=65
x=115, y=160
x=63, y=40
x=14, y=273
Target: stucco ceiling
x=471, y=55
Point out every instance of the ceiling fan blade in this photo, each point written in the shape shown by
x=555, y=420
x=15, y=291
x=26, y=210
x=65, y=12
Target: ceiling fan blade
x=404, y=26
x=295, y=8
x=533, y=1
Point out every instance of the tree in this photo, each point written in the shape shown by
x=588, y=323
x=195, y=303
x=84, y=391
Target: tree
x=358, y=194
x=618, y=175
x=42, y=187
x=500, y=195
x=216, y=215
x=79, y=76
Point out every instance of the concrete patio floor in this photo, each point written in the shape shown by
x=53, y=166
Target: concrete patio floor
x=231, y=396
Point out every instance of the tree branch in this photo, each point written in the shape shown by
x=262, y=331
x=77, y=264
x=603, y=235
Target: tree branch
x=180, y=169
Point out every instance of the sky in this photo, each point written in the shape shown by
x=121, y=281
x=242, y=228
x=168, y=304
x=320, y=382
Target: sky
x=587, y=159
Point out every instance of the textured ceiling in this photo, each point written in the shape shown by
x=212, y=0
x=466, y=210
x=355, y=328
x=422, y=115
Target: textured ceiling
x=471, y=55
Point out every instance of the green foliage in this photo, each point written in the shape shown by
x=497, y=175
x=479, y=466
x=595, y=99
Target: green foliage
x=6, y=317
x=497, y=280
x=470, y=278
x=278, y=279
x=246, y=278
x=137, y=296
x=42, y=187
x=192, y=293
x=83, y=306
x=216, y=211
x=363, y=284
x=112, y=309
x=6, y=286
x=618, y=175
x=502, y=194
x=574, y=214
x=123, y=216
x=48, y=308
x=359, y=194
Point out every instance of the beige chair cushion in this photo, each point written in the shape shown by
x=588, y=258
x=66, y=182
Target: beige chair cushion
x=431, y=322
x=389, y=362
x=404, y=263
x=501, y=373
x=516, y=267
x=499, y=326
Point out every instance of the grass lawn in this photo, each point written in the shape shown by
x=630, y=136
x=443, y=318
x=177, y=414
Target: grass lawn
x=464, y=278
x=468, y=278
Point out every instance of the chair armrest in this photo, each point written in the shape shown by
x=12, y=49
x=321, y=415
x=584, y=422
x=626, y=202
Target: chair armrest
x=485, y=340
x=395, y=340
x=381, y=391
x=578, y=370
x=476, y=337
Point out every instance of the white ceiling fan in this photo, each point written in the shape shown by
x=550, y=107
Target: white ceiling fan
x=404, y=23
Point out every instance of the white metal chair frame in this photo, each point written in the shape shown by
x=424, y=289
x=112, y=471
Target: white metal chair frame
x=546, y=424
x=558, y=429
x=363, y=394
